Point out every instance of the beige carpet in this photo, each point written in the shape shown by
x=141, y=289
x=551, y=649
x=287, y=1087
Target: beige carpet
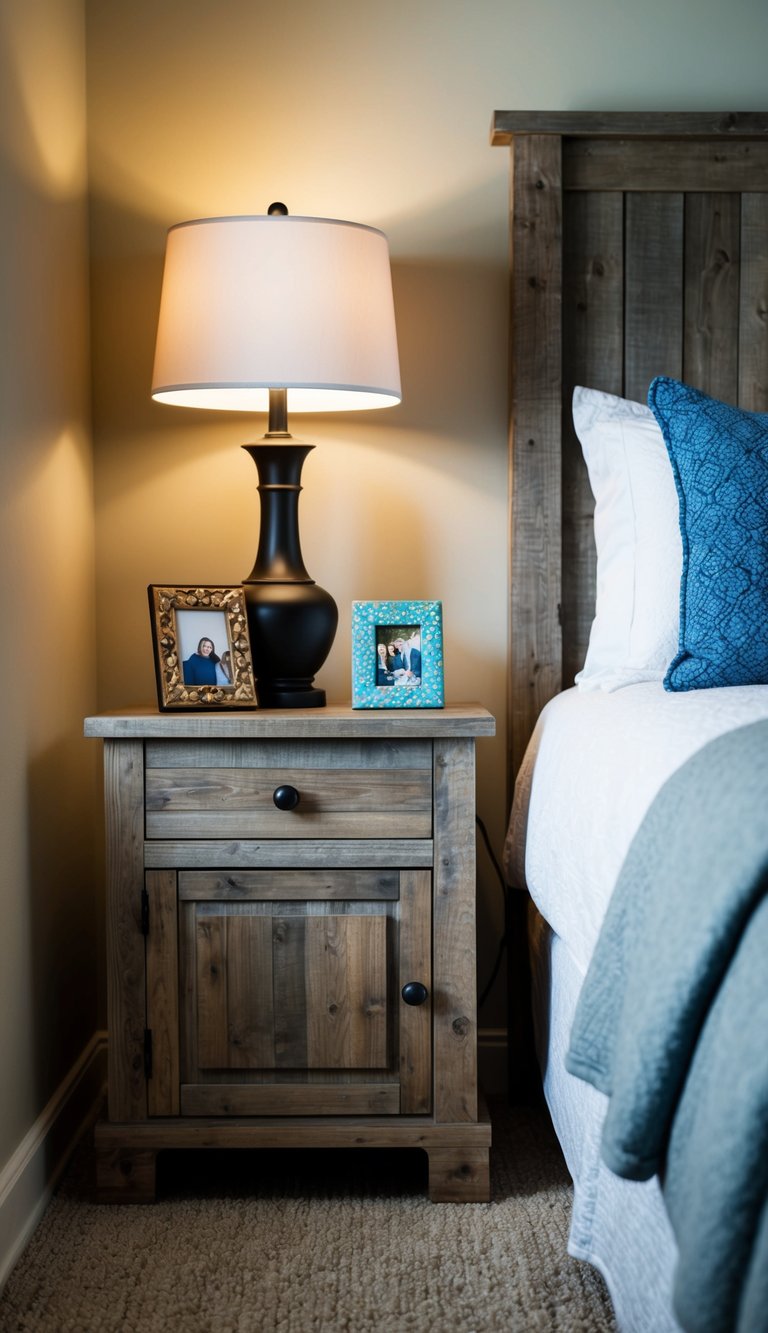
x=290, y=1241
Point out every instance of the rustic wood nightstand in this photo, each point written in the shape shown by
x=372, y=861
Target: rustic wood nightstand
x=291, y=937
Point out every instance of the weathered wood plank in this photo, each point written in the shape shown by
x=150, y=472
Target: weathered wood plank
x=753, y=328
x=367, y=1131
x=125, y=1175
x=254, y=1099
x=126, y=975
x=626, y=124
x=163, y=992
x=210, y=789
x=460, y=1175
x=187, y=991
x=235, y=854
x=290, y=991
x=346, y=992
x=288, y=824
x=250, y=994
x=335, y=721
x=211, y=993
x=454, y=993
x=415, y=964
x=593, y=338
x=711, y=337
x=662, y=165
x=234, y=992
x=323, y=755
x=653, y=317
x=278, y=885
x=536, y=397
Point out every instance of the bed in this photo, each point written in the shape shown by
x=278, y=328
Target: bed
x=639, y=259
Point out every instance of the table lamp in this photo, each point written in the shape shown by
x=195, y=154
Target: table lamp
x=273, y=313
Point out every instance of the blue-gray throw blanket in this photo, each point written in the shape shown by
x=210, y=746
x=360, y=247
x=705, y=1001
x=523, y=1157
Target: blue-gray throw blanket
x=672, y=1025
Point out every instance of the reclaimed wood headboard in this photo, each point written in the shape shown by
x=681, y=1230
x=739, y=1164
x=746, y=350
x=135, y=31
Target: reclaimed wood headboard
x=639, y=247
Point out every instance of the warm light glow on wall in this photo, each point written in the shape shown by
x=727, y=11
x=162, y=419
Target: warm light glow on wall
x=45, y=63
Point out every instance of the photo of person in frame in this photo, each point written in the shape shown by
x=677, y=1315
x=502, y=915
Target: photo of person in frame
x=384, y=675
x=201, y=664
x=398, y=655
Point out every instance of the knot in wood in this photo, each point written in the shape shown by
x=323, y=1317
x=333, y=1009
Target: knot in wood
x=540, y=185
x=461, y=1026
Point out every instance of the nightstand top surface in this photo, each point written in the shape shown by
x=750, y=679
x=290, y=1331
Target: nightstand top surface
x=335, y=720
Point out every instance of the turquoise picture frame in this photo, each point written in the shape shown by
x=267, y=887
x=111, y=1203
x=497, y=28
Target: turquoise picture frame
x=397, y=655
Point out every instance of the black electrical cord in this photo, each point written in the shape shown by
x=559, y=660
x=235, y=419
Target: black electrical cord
x=504, y=892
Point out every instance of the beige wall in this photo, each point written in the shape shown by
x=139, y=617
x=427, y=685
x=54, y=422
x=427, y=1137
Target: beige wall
x=378, y=113
x=50, y=928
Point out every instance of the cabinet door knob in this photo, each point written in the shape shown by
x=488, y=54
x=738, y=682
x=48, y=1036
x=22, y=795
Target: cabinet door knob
x=414, y=992
x=286, y=798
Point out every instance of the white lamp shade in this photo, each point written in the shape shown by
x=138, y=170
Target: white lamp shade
x=254, y=303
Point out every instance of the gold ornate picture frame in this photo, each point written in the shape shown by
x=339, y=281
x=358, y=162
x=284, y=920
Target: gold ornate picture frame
x=202, y=649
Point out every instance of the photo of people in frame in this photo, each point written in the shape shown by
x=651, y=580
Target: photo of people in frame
x=398, y=656
x=204, y=651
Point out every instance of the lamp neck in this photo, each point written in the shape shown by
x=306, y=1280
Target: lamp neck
x=278, y=415
x=279, y=559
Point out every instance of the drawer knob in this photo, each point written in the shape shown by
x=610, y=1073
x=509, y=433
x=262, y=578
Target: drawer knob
x=286, y=798
x=414, y=992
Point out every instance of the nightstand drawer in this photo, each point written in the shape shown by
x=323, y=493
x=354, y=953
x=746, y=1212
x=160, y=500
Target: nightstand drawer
x=348, y=789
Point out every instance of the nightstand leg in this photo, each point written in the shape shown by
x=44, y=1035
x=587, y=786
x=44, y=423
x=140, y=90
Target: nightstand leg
x=459, y=1175
x=125, y=1175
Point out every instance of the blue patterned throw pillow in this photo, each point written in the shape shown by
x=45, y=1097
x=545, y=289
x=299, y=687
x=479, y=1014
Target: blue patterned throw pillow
x=719, y=457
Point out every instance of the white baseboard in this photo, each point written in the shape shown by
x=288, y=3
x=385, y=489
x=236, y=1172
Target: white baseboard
x=29, y=1178
x=492, y=1061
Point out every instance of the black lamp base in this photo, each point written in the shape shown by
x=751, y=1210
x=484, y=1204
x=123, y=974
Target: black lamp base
x=291, y=621
x=278, y=694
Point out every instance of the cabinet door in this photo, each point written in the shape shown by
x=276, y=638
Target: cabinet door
x=291, y=992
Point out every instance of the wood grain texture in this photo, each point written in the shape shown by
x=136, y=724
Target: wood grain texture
x=536, y=405
x=235, y=1019
x=460, y=1175
x=278, y=885
x=454, y=990
x=236, y=854
x=593, y=347
x=653, y=315
x=753, y=326
x=126, y=976
x=124, y=1174
x=346, y=986
x=664, y=165
x=720, y=125
x=299, y=824
x=253, y=1099
x=289, y=982
x=322, y=755
x=163, y=992
x=334, y=721
x=712, y=254
x=321, y=790
x=415, y=964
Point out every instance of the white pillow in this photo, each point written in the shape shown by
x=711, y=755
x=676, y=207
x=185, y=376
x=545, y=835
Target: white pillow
x=634, y=635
